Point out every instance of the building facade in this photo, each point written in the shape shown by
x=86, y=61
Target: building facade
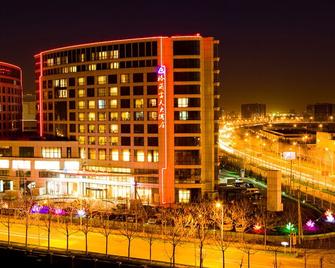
x=321, y=111
x=10, y=98
x=251, y=110
x=147, y=107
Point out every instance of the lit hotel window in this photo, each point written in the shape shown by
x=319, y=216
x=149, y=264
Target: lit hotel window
x=115, y=155
x=102, y=92
x=102, y=79
x=182, y=102
x=114, y=54
x=184, y=196
x=81, y=81
x=81, y=116
x=152, y=156
x=139, y=155
x=114, y=141
x=102, y=116
x=113, y=103
x=73, y=69
x=139, y=115
x=101, y=104
x=102, y=140
x=81, y=139
x=81, y=104
x=102, y=55
x=91, y=128
x=113, y=91
x=62, y=93
x=152, y=103
x=81, y=93
x=102, y=154
x=91, y=153
x=125, y=116
x=124, y=78
x=183, y=115
x=50, y=62
x=102, y=128
x=139, y=103
x=91, y=140
x=92, y=67
x=114, y=65
x=81, y=128
x=91, y=116
x=114, y=128
x=91, y=104
x=82, y=57
x=51, y=152
x=82, y=153
x=152, y=115
x=125, y=155
x=113, y=116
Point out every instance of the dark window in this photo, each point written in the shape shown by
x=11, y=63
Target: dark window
x=187, y=128
x=187, y=157
x=112, y=79
x=138, y=128
x=187, y=174
x=141, y=50
x=61, y=111
x=138, y=90
x=152, y=141
x=72, y=128
x=186, y=76
x=187, y=89
x=148, y=49
x=49, y=83
x=128, y=50
x=50, y=105
x=151, y=90
x=138, y=77
x=154, y=49
x=72, y=105
x=5, y=151
x=125, y=103
x=50, y=116
x=187, y=141
x=135, y=49
x=72, y=93
x=49, y=94
x=125, y=91
x=125, y=128
x=186, y=47
x=138, y=141
x=151, y=77
x=90, y=80
x=72, y=81
x=73, y=117
x=125, y=141
x=186, y=63
x=26, y=151
x=152, y=128
x=90, y=92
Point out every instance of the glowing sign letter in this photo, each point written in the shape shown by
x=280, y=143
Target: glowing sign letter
x=161, y=79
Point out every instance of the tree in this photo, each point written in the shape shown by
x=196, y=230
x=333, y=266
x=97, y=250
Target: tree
x=85, y=226
x=7, y=219
x=128, y=229
x=150, y=235
x=105, y=227
x=65, y=224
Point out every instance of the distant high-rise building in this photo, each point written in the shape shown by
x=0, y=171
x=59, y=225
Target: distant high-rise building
x=147, y=107
x=321, y=111
x=252, y=110
x=10, y=98
x=29, y=113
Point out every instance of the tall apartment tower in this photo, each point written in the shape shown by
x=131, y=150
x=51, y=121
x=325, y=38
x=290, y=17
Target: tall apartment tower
x=10, y=98
x=147, y=106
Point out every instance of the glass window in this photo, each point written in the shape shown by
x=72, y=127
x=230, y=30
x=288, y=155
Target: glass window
x=81, y=139
x=81, y=128
x=81, y=93
x=91, y=104
x=101, y=116
x=138, y=141
x=125, y=91
x=138, y=103
x=115, y=155
x=91, y=140
x=102, y=55
x=81, y=81
x=114, y=128
x=152, y=115
x=81, y=104
x=81, y=116
x=152, y=103
x=138, y=90
x=102, y=79
x=113, y=103
x=113, y=116
x=51, y=152
x=102, y=154
x=101, y=104
x=183, y=102
x=125, y=116
x=114, y=65
x=92, y=67
x=153, y=156
x=91, y=116
x=102, y=140
x=102, y=128
x=138, y=77
x=125, y=141
x=184, y=196
x=139, y=155
x=102, y=92
x=125, y=155
x=186, y=76
x=91, y=128
x=183, y=115
x=124, y=78
x=91, y=153
x=114, y=141
x=186, y=47
x=139, y=115
x=113, y=91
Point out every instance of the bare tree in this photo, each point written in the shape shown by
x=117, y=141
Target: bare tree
x=150, y=235
x=106, y=228
x=128, y=229
x=65, y=224
x=7, y=218
x=46, y=219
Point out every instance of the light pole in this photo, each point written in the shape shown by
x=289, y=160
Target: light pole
x=219, y=205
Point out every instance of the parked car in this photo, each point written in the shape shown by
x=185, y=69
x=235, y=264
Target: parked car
x=227, y=224
x=239, y=227
x=152, y=221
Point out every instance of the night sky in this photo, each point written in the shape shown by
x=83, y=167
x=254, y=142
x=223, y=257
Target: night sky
x=281, y=53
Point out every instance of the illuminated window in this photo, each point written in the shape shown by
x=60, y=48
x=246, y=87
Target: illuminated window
x=91, y=128
x=102, y=154
x=91, y=116
x=65, y=70
x=125, y=155
x=92, y=67
x=101, y=104
x=82, y=153
x=156, y=154
x=81, y=93
x=81, y=139
x=182, y=102
x=183, y=115
x=113, y=91
x=139, y=155
x=101, y=92
x=102, y=79
x=73, y=69
x=60, y=83
x=81, y=128
x=62, y=93
x=152, y=156
x=92, y=56
x=113, y=116
x=102, y=55
x=139, y=103
x=81, y=104
x=81, y=81
x=102, y=116
x=114, y=128
x=152, y=103
x=139, y=115
x=152, y=115
x=114, y=141
x=50, y=62
x=102, y=140
x=58, y=61
x=82, y=57
x=91, y=153
x=102, y=128
x=114, y=65
x=114, y=54
x=91, y=104
x=124, y=78
x=184, y=196
x=81, y=116
x=113, y=103
x=125, y=116
x=91, y=140
x=115, y=155
x=51, y=152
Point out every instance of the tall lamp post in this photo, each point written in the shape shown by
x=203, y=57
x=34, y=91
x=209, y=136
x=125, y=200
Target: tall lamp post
x=219, y=205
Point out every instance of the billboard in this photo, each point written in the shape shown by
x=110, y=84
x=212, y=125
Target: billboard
x=288, y=155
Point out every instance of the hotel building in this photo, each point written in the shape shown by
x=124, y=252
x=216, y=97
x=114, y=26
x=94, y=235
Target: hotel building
x=146, y=108
x=10, y=98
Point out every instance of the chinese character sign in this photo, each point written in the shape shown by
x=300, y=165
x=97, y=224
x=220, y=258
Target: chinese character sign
x=161, y=79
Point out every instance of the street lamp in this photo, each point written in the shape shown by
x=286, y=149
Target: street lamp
x=219, y=205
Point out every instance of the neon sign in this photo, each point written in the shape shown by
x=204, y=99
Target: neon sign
x=161, y=79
